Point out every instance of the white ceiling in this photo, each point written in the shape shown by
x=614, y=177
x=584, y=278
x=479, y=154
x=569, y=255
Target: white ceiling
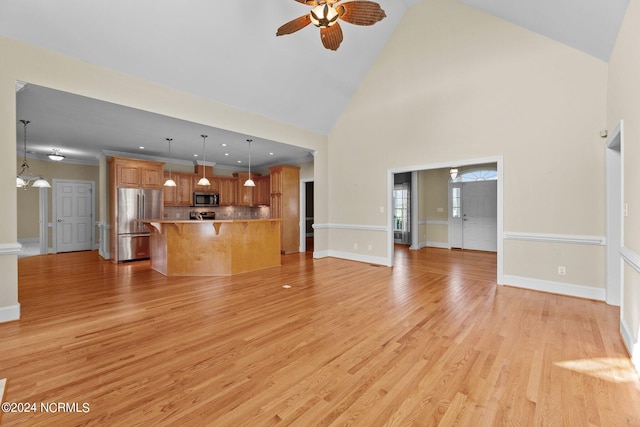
x=587, y=25
x=228, y=52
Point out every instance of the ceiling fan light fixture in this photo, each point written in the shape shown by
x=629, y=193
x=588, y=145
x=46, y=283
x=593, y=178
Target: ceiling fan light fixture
x=454, y=173
x=55, y=155
x=324, y=16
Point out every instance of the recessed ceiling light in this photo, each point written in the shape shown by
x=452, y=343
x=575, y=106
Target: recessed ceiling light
x=195, y=155
x=271, y=154
x=226, y=154
x=141, y=147
x=223, y=144
x=239, y=161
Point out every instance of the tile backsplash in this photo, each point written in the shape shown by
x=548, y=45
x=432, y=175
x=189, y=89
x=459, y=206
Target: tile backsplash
x=222, y=212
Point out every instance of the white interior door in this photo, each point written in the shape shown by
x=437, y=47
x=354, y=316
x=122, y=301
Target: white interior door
x=480, y=215
x=74, y=216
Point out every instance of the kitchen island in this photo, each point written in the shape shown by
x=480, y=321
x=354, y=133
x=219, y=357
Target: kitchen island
x=212, y=247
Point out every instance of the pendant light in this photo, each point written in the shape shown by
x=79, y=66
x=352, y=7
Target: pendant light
x=25, y=177
x=170, y=182
x=249, y=182
x=204, y=180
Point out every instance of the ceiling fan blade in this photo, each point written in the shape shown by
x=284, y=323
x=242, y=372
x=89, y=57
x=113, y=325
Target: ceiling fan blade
x=331, y=36
x=294, y=25
x=308, y=2
x=361, y=12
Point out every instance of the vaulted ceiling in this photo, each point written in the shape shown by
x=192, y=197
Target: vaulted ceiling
x=228, y=52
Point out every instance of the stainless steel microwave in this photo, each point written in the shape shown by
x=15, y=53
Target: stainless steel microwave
x=206, y=199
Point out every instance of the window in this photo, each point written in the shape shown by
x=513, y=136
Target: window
x=455, y=202
x=473, y=175
x=401, y=208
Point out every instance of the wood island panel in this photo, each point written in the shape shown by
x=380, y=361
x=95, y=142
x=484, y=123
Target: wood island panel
x=214, y=248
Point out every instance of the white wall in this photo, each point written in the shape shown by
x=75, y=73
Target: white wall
x=452, y=84
x=624, y=104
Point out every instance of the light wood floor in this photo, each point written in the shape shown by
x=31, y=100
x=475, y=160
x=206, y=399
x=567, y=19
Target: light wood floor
x=432, y=341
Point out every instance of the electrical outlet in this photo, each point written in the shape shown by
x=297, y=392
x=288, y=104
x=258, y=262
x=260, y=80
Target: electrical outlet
x=370, y=247
x=562, y=271
x=355, y=246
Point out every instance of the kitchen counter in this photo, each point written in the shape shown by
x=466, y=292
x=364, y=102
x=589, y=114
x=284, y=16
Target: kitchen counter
x=213, y=247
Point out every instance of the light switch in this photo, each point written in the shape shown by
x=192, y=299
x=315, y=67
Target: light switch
x=440, y=210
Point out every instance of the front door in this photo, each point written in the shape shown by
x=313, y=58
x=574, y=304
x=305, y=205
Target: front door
x=473, y=215
x=479, y=215
x=74, y=216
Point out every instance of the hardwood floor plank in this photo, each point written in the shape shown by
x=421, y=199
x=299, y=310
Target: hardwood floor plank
x=431, y=341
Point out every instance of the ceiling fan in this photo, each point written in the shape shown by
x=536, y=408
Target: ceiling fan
x=325, y=15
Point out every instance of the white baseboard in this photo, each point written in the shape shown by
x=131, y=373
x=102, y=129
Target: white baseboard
x=351, y=257
x=434, y=245
x=579, y=291
x=10, y=248
x=29, y=240
x=10, y=313
x=632, y=347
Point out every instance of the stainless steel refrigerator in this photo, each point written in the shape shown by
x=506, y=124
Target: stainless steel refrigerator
x=135, y=204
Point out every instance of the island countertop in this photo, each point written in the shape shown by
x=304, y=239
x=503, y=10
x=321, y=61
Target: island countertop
x=213, y=247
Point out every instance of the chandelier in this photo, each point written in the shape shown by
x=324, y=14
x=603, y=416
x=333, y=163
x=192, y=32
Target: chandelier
x=25, y=177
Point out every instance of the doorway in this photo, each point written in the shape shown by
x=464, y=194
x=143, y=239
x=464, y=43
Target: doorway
x=402, y=209
x=615, y=212
x=307, y=216
x=493, y=164
x=73, y=215
x=473, y=201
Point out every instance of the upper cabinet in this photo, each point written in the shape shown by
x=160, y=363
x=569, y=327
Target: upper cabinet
x=181, y=194
x=227, y=190
x=245, y=195
x=136, y=173
x=262, y=191
x=206, y=172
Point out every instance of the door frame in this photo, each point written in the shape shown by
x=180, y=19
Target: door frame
x=44, y=220
x=303, y=214
x=498, y=160
x=614, y=154
x=54, y=230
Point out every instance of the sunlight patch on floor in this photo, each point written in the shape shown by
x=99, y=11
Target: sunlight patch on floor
x=613, y=369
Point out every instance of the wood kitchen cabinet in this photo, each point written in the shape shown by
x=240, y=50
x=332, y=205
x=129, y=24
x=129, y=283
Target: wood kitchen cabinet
x=227, y=190
x=182, y=193
x=136, y=173
x=247, y=196
x=285, y=204
x=206, y=171
x=262, y=191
